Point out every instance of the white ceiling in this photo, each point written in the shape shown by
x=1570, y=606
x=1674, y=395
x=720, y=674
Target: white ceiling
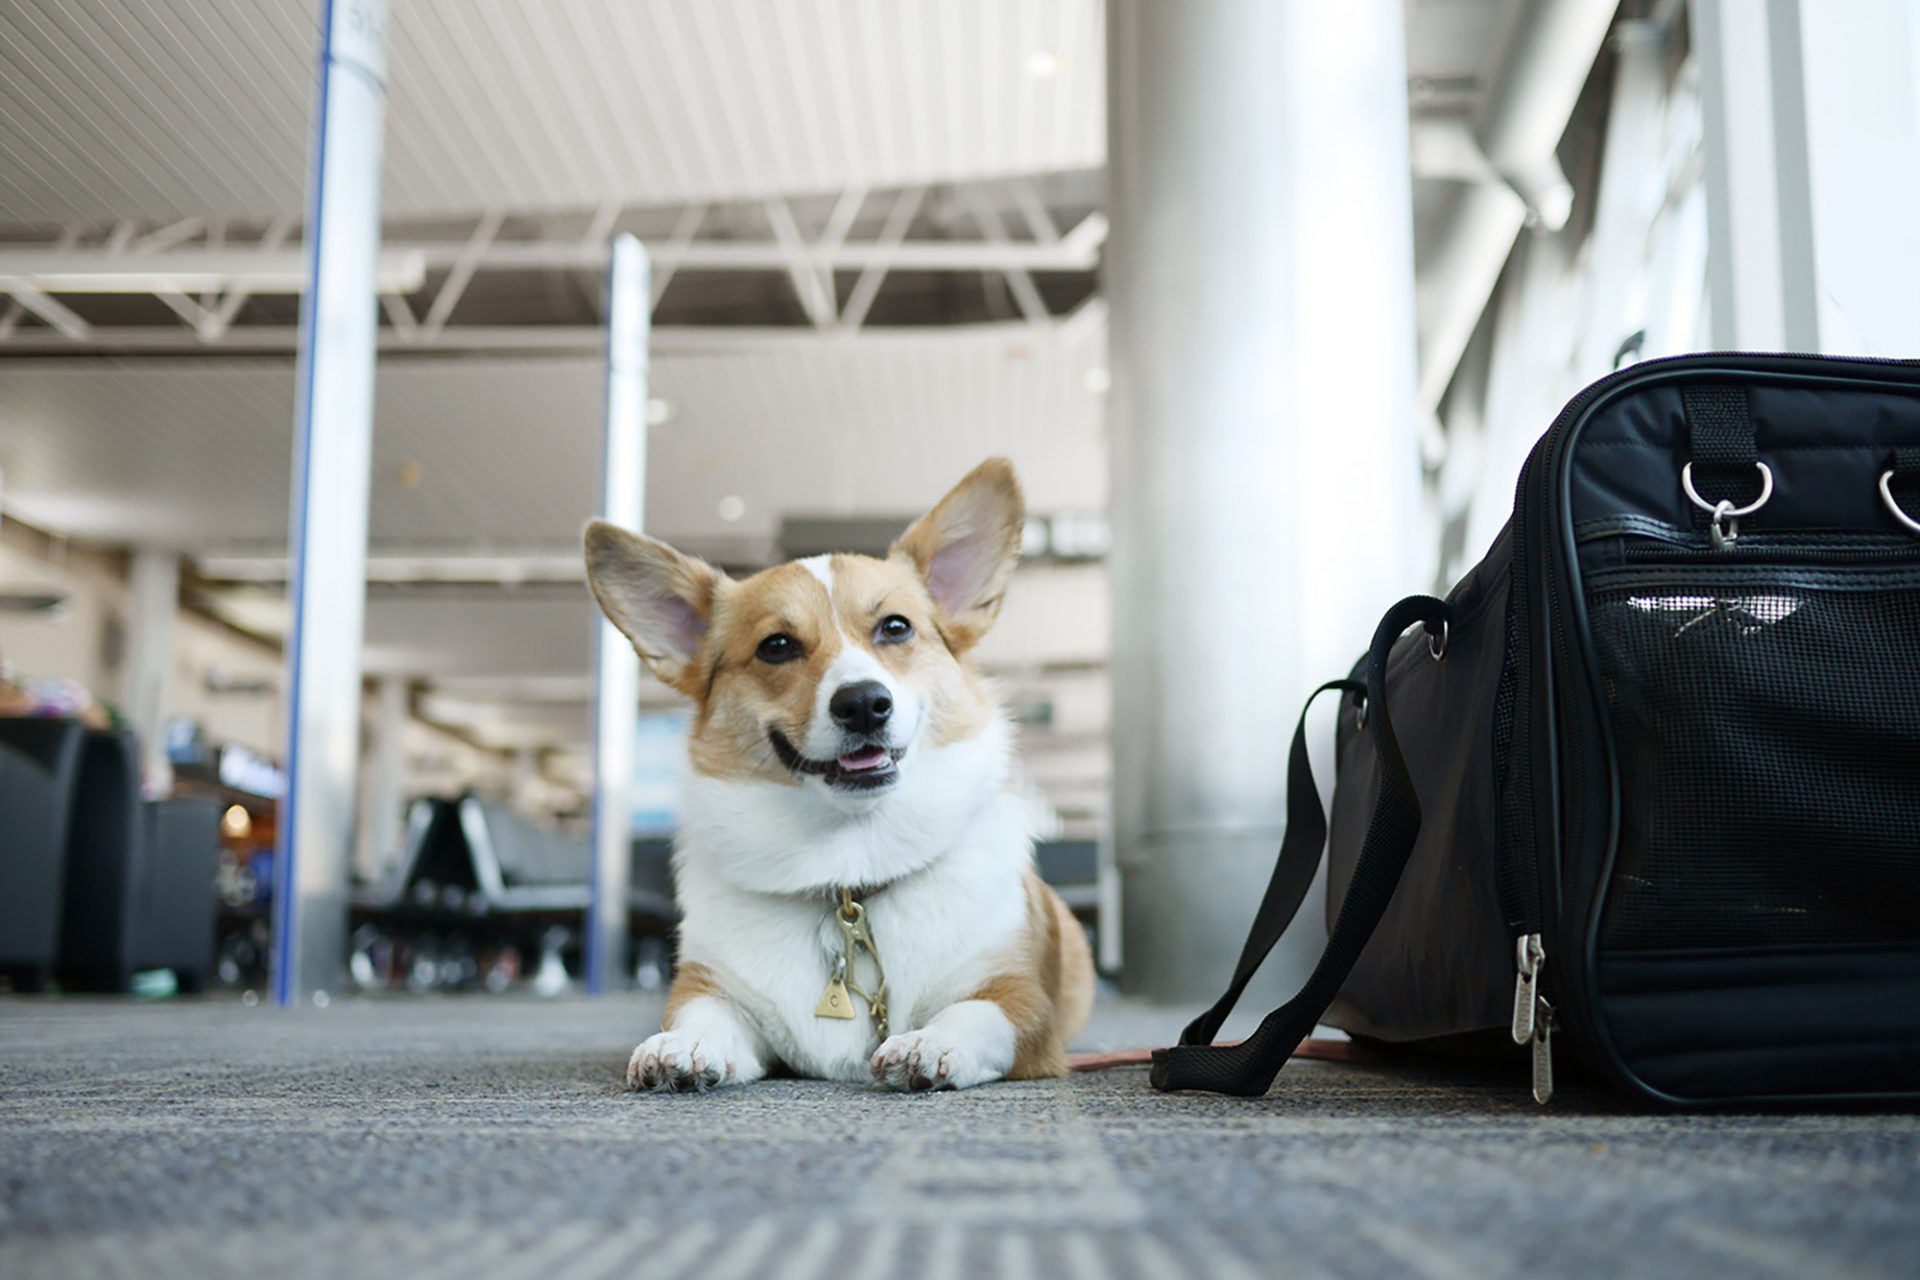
x=195, y=454
x=176, y=108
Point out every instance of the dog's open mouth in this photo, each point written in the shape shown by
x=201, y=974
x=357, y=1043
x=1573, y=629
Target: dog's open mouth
x=865, y=769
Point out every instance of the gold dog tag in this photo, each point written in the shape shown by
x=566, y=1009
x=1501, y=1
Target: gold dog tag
x=834, y=1001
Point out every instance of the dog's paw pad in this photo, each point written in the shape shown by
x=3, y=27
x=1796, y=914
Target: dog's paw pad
x=674, y=1061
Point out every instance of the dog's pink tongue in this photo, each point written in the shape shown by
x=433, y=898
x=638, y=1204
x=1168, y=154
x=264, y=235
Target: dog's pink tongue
x=870, y=758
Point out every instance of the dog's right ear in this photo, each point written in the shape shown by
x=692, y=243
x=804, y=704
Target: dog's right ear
x=661, y=600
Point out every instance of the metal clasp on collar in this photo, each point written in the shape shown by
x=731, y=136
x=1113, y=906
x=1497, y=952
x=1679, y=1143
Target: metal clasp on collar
x=851, y=918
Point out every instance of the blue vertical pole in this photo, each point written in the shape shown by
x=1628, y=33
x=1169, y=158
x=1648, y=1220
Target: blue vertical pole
x=332, y=452
x=616, y=667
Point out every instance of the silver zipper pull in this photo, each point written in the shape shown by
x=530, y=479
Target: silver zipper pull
x=1543, y=1055
x=1530, y=955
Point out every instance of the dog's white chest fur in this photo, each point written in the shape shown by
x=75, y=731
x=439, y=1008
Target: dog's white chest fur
x=939, y=927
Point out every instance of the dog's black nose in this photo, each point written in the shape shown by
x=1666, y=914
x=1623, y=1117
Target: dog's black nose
x=860, y=707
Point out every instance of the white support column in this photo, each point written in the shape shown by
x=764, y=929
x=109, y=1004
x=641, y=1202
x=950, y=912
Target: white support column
x=616, y=667
x=333, y=434
x=1859, y=90
x=1745, y=285
x=524, y=779
x=383, y=783
x=153, y=602
x=1263, y=395
x=1812, y=115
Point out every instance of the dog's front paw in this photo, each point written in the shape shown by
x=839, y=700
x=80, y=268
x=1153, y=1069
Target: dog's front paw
x=680, y=1061
x=915, y=1061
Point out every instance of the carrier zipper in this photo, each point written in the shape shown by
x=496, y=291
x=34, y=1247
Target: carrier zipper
x=1641, y=548
x=1530, y=955
x=1543, y=1054
x=1519, y=868
x=1532, y=1014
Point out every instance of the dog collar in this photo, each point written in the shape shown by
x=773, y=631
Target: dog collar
x=843, y=983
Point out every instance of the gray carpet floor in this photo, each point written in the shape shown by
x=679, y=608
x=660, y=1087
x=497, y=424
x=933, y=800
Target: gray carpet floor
x=468, y=1138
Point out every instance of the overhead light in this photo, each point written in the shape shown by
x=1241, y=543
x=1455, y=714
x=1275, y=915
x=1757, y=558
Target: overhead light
x=1098, y=380
x=190, y=271
x=403, y=569
x=1044, y=64
x=236, y=822
x=732, y=507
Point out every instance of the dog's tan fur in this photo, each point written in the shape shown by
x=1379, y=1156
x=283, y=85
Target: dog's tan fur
x=1047, y=989
x=690, y=982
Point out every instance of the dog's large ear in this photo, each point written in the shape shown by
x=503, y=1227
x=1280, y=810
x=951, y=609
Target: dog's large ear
x=966, y=547
x=661, y=600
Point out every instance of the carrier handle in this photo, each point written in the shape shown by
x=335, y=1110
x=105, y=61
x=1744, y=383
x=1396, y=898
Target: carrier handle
x=1723, y=453
x=1247, y=1069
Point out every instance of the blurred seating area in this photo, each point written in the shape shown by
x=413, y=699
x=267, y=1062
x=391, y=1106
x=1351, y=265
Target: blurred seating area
x=100, y=886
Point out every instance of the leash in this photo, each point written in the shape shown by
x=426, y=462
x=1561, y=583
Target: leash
x=1322, y=1050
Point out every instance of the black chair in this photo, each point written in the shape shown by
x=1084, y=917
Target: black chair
x=652, y=884
x=175, y=909
x=39, y=760
x=1072, y=867
x=435, y=870
x=139, y=885
x=521, y=865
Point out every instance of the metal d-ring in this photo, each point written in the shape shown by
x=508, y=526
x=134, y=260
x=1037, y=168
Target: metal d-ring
x=1437, y=644
x=1731, y=512
x=1726, y=516
x=1886, y=495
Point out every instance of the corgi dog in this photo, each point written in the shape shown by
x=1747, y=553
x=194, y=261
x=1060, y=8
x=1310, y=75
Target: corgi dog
x=854, y=872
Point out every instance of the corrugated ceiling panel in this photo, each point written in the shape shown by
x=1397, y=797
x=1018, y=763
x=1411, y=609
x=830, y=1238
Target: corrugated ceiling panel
x=167, y=109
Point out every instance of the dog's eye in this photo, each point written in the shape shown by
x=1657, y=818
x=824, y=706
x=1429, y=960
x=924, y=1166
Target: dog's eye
x=893, y=629
x=777, y=648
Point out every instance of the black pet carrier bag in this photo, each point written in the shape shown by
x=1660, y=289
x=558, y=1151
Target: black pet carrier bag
x=1645, y=789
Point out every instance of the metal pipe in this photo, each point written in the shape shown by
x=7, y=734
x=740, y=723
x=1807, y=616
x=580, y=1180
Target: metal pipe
x=333, y=438
x=543, y=339
x=616, y=667
x=1518, y=127
x=402, y=267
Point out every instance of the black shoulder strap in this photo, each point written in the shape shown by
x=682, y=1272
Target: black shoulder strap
x=1293, y=872
x=1248, y=1068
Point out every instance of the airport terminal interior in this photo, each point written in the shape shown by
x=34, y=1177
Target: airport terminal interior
x=337, y=823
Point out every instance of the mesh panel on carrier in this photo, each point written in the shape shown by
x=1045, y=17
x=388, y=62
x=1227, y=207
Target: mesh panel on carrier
x=1768, y=738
